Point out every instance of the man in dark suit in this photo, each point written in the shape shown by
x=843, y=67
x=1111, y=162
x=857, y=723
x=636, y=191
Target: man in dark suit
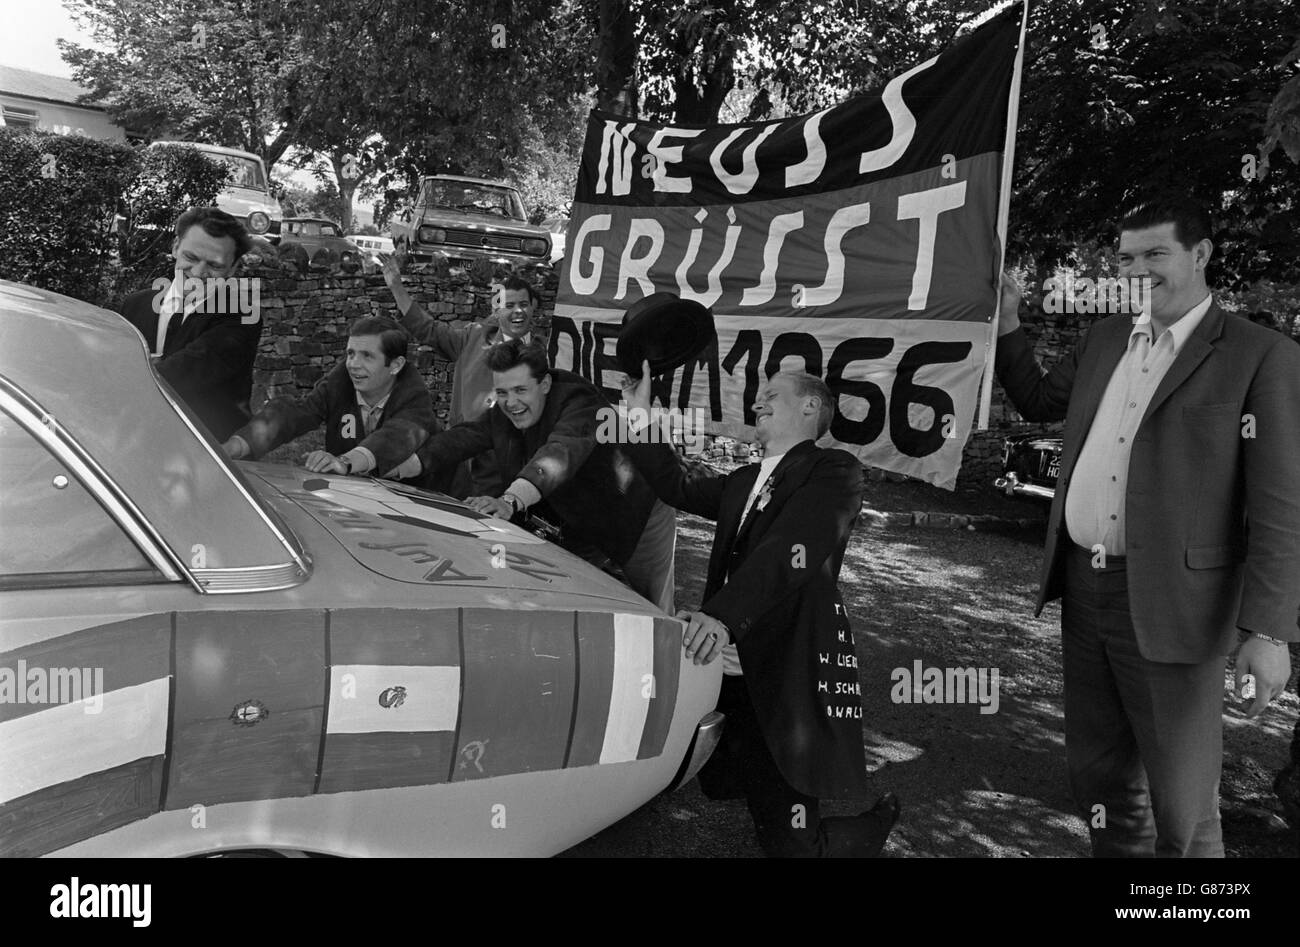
x=773, y=612
x=1175, y=526
x=542, y=432
x=204, y=342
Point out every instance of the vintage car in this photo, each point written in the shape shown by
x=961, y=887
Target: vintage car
x=322, y=240
x=1030, y=465
x=373, y=250
x=247, y=195
x=466, y=219
x=206, y=657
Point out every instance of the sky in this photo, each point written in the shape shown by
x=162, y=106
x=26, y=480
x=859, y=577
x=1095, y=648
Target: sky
x=30, y=29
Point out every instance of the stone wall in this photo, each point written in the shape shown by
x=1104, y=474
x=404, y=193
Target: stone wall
x=305, y=333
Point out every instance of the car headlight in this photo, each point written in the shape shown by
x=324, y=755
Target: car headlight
x=537, y=246
x=432, y=235
x=259, y=222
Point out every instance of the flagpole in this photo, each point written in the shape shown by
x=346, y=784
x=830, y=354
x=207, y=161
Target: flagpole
x=1004, y=214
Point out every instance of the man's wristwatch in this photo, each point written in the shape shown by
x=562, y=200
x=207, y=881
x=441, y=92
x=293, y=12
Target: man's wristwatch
x=347, y=465
x=516, y=504
x=1269, y=638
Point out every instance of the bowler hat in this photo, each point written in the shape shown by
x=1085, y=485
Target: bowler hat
x=666, y=330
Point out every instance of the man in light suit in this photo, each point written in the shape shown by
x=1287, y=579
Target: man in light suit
x=204, y=351
x=772, y=611
x=1176, y=524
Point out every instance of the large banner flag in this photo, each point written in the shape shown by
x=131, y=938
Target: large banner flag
x=858, y=243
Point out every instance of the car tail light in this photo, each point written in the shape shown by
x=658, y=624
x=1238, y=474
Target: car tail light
x=258, y=222
x=537, y=246
x=432, y=235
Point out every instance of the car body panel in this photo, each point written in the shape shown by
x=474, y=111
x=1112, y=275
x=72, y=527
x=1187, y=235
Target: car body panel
x=316, y=233
x=433, y=682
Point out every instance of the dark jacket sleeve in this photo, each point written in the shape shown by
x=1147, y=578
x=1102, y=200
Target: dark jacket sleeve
x=687, y=485
x=224, y=351
x=812, y=525
x=408, y=421
x=1270, y=594
x=447, y=341
x=283, y=419
x=459, y=442
x=568, y=445
x=1037, y=395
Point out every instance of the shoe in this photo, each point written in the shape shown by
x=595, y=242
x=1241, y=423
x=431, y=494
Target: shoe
x=882, y=817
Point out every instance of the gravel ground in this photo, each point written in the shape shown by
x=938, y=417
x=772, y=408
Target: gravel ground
x=971, y=783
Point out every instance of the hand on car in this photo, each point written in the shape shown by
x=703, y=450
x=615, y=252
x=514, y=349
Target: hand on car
x=705, y=636
x=492, y=506
x=320, y=461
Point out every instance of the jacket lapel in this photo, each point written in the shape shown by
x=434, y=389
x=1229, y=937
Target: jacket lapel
x=1096, y=376
x=1198, y=345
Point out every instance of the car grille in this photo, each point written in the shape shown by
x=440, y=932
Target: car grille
x=480, y=241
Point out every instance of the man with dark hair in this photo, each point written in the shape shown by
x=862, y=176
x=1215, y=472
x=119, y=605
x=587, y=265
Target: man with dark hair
x=203, y=348
x=772, y=611
x=374, y=406
x=515, y=304
x=1175, y=527
x=542, y=433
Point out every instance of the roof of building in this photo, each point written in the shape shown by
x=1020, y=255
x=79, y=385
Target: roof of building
x=42, y=86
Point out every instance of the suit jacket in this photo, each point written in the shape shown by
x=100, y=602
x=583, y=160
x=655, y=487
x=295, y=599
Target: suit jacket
x=208, y=360
x=773, y=582
x=405, y=422
x=1212, y=517
x=592, y=489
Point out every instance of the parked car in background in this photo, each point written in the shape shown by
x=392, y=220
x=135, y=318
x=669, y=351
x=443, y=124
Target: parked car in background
x=1031, y=464
x=463, y=219
x=558, y=228
x=248, y=195
x=373, y=249
x=248, y=656
x=323, y=240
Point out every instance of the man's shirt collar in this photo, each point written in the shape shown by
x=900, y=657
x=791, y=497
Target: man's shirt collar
x=1180, y=331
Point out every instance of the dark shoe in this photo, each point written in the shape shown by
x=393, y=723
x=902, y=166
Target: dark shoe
x=882, y=818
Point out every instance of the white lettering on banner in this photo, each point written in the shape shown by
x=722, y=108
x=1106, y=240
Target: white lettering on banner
x=743, y=182
x=810, y=168
x=714, y=292
x=763, y=292
x=586, y=285
x=616, y=151
x=904, y=123
x=842, y=221
x=926, y=206
x=666, y=156
x=632, y=267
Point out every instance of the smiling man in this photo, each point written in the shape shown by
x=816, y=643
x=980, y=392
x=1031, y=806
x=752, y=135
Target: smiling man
x=514, y=307
x=1175, y=528
x=373, y=403
x=542, y=436
x=773, y=613
x=206, y=356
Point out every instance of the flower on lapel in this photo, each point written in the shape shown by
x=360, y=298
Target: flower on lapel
x=765, y=495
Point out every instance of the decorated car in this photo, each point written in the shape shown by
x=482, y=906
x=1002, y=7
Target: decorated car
x=1031, y=464
x=205, y=657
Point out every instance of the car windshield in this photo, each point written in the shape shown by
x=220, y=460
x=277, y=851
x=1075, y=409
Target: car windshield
x=311, y=228
x=244, y=172
x=476, y=199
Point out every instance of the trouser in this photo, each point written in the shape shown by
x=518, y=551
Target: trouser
x=650, y=568
x=1143, y=739
x=788, y=823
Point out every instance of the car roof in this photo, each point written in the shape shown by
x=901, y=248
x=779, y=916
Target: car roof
x=89, y=369
x=205, y=146
x=457, y=177
x=310, y=220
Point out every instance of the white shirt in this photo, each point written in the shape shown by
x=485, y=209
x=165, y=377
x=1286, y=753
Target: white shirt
x=730, y=656
x=1094, y=501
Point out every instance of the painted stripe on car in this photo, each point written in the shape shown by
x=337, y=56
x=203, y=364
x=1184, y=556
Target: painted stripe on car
x=629, y=698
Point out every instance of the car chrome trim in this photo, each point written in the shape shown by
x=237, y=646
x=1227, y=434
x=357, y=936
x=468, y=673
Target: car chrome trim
x=1011, y=486
x=705, y=740
x=44, y=426
x=301, y=562
x=248, y=578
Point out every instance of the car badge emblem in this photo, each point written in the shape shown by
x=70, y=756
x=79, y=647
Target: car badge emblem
x=249, y=713
x=392, y=697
